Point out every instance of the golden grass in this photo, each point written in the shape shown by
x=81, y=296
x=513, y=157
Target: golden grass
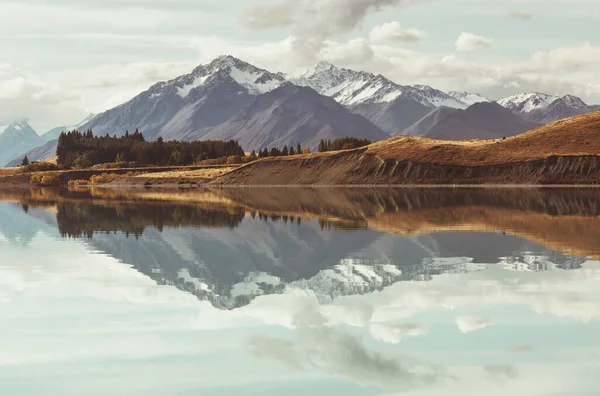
x=576, y=136
x=209, y=173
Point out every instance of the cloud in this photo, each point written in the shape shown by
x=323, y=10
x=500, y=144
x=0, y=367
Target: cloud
x=470, y=42
x=501, y=372
x=315, y=22
x=341, y=354
x=468, y=324
x=23, y=96
x=268, y=16
x=394, y=32
x=393, y=334
x=564, y=60
x=524, y=16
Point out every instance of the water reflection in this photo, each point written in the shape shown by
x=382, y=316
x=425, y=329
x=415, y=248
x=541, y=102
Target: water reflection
x=250, y=291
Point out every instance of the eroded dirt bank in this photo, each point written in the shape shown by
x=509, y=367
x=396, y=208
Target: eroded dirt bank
x=359, y=167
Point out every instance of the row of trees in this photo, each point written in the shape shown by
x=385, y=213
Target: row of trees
x=285, y=151
x=83, y=150
x=345, y=143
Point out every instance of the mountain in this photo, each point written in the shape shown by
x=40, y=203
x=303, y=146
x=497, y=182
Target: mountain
x=292, y=114
x=47, y=143
x=190, y=106
x=544, y=109
x=561, y=108
x=480, y=121
x=390, y=106
x=524, y=103
x=45, y=151
x=54, y=133
x=468, y=98
x=16, y=139
x=425, y=124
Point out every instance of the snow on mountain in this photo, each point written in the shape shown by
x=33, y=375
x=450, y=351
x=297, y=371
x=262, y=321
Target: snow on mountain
x=390, y=106
x=438, y=98
x=18, y=128
x=190, y=106
x=544, y=108
x=256, y=81
x=16, y=139
x=468, y=98
x=352, y=88
x=527, y=102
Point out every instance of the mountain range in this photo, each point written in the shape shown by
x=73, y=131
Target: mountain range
x=232, y=99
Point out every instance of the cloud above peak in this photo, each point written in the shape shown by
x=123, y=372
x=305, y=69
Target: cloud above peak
x=315, y=22
x=468, y=42
x=394, y=32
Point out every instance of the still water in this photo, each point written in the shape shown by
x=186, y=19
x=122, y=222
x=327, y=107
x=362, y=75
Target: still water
x=416, y=292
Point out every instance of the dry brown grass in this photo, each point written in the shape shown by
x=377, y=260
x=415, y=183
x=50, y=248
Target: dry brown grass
x=209, y=173
x=575, y=136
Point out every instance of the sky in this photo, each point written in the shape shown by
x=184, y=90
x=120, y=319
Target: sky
x=61, y=60
x=77, y=321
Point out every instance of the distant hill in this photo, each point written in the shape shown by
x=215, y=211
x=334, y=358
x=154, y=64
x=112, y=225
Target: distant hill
x=45, y=151
x=480, y=121
x=425, y=124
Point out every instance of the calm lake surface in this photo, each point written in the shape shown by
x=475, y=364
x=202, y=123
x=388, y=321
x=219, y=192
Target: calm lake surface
x=422, y=292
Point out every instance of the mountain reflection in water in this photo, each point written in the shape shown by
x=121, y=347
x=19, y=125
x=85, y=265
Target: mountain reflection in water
x=324, y=291
x=229, y=246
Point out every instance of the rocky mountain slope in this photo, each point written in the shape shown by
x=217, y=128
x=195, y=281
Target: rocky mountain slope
x=480, y=121
x=189, y=106
x=431, y=119
x=390, y=106
x=292, y=114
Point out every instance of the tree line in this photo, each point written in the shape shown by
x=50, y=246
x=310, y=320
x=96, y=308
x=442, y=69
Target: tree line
x=285, y=151
x=83, y=150
x=345, y=143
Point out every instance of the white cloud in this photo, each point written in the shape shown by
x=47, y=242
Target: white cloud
x=394, y=32
x=470, y=42
x=468, y=324
x=338, y=353
x=393, y=334
x=23, y=96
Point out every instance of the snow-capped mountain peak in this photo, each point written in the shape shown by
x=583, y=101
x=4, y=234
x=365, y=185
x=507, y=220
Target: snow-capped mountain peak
x=436, y=98
x=352, y=88
x=527, y=102
x=18, y=128
x=225, y=68
x=468, y=98
x=572, y=101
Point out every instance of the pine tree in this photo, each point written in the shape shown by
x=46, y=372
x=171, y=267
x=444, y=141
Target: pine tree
x=25, y=161
x=285, y=152
x=292, y=152
x=322, y=146
x=298, y=148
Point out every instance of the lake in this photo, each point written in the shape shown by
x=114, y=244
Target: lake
x=415, y=291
